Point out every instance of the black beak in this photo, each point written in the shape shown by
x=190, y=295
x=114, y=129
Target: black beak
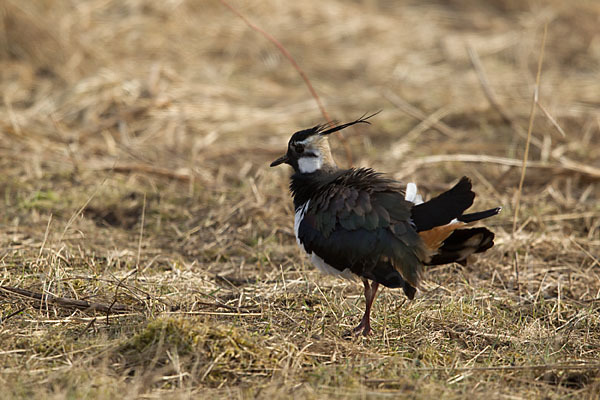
x=280, y=160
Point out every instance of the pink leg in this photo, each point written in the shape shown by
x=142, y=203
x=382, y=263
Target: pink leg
x=370, y=294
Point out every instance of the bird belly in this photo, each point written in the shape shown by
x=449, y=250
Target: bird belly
x=315, y=259
x=328, y=269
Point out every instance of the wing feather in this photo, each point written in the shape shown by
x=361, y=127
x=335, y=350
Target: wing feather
x=366, y=228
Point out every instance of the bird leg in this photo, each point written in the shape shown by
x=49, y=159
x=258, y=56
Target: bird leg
x=365, y=322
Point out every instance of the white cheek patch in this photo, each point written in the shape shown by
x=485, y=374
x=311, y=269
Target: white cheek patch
x=307, y=165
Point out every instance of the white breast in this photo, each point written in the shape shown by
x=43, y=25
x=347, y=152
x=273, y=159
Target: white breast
x=298, y=218
x=315, y=259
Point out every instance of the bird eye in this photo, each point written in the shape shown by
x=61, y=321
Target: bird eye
x=299, y=148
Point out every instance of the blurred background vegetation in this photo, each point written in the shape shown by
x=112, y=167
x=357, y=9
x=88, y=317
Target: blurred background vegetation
x=135, y=137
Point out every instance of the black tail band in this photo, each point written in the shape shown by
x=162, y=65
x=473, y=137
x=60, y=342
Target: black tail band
x=479, y=215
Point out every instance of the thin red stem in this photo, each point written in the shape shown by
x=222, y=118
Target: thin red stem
x=287, y=55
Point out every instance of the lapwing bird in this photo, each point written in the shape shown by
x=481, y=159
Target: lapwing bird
x=357, y=222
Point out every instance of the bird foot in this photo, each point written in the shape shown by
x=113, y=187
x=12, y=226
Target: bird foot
x=364, y=327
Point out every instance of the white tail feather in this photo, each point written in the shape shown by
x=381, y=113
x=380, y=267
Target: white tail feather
x=412, y=194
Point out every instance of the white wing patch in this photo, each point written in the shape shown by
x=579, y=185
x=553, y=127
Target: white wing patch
x=315, y=259
x=412, y=194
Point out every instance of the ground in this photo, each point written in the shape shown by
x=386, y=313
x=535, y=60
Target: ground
x=147, y=249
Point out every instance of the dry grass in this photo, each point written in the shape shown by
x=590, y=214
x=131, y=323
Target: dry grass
x=135, y=138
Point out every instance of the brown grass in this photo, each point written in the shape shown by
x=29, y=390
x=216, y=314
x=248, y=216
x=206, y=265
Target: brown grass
x=135, y=138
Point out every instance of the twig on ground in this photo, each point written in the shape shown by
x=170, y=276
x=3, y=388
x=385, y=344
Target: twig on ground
x=4, y=319
x=114, y=302
x=64, y=302
x=542, y=367
x=88, y=326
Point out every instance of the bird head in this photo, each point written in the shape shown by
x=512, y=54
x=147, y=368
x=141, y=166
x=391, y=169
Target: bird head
x=308, y=150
